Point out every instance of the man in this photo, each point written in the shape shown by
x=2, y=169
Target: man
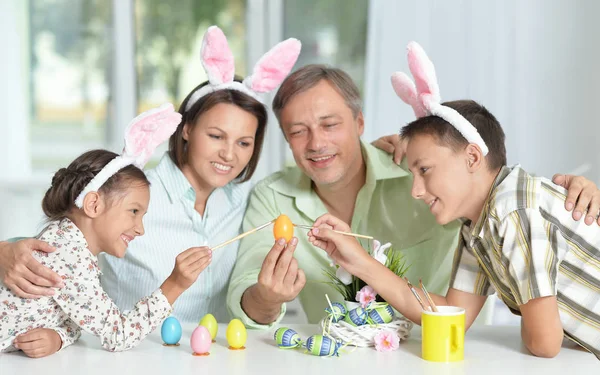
x=320, y=113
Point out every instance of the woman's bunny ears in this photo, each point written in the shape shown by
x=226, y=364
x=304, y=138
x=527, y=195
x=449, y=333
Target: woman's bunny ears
x=424, y=97
x=218, y=63
x=143, y=134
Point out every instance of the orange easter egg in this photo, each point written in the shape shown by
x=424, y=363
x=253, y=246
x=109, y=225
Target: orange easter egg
x=283, y=228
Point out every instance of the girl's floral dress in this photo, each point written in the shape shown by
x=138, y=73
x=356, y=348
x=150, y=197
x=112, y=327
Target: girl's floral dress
x=81, y=304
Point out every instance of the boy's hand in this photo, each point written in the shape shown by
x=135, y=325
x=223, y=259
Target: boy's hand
x=344, y=250
x=38, y=343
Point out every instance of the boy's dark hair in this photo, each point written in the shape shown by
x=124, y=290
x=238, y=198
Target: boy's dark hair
x=69, y=182
x=178, y=145
x=486, y=124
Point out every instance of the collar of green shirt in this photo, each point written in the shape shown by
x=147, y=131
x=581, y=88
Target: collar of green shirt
x=477, y=229
x=294, y=183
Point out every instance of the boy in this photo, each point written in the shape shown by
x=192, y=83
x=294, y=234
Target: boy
x=516, y=238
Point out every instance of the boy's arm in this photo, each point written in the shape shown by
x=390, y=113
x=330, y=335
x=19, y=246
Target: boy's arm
x=349, y=254
x=541, y=329
x=531, y=266
x=397, y=293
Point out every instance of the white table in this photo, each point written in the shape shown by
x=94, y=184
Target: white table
x=489, y=350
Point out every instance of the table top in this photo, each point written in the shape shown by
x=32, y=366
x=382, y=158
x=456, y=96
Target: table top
x=489, y=349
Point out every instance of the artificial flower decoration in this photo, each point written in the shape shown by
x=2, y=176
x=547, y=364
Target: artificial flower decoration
x=386, y=341
x=365, y=296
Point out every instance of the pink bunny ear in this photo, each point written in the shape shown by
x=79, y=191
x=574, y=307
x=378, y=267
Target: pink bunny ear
x=216, y=57
x=148, y=130
x=423, y=71
x=406, y=90
x=274, y=66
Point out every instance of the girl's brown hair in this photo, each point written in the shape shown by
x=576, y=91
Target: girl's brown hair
x=69, y=182
x=178, y=145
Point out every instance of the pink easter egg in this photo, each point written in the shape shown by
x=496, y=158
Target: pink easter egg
x=200, y=340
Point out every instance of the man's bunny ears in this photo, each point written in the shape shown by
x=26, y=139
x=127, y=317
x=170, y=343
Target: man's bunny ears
x=268, y=73
x=143, y=134
x=424, y=97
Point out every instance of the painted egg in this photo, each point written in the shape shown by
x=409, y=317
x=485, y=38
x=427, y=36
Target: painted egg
x=322, y=346
x=382, y=314
x=236, y=334
x=287, y=338
x=283, y=228
x=200, y=340
x=170, y=332
x=356, y=317
x=338, y=313
x=210, y=323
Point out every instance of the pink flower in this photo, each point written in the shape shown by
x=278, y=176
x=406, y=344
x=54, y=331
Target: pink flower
x=365, y=296
x=386, y=341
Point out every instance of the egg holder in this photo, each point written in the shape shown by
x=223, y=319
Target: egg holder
x=203, y=335
x=359, y=326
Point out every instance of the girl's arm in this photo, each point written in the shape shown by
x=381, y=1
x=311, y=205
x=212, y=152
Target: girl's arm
x=69, y=332
x=90, y=308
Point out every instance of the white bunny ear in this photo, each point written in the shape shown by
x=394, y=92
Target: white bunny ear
x=274, y=66
x=406, y=90
x=216, y=57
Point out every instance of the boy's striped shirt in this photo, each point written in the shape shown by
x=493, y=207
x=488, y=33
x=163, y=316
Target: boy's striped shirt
x=526, y=245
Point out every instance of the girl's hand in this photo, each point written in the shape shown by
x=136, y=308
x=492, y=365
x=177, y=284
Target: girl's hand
x=39, y=342
x=189, y=264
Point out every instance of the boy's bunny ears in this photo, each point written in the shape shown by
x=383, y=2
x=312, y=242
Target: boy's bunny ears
x=143, y=134
x=424, y=97
x=268, y=73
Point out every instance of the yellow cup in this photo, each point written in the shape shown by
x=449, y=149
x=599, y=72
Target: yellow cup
x=443, y=334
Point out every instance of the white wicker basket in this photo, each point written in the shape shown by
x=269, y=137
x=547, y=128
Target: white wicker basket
x=363, y=336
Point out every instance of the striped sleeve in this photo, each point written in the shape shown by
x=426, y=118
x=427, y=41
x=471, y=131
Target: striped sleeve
x=467, y=275
x=529, y=259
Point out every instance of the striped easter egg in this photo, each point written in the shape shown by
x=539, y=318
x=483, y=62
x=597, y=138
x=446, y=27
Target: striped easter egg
x=287, y=338
x=356, y=317
x=382, y=314
x=338, y=313
x=322, y=346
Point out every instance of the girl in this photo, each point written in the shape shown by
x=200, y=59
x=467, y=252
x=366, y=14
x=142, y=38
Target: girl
x=96, y=205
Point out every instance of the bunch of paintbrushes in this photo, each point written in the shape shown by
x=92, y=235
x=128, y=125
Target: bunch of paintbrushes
x=432, y=306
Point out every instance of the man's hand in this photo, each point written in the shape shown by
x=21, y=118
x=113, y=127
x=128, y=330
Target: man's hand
x=22, y=273
x=583, y=195
x=38, y=343
x=279, y=281
x=392, y=144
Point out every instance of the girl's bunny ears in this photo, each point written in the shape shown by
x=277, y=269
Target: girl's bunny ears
x=143, y=134
x=424, y=97
x=268, y=73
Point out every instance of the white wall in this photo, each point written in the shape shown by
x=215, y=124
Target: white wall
x=532, y=63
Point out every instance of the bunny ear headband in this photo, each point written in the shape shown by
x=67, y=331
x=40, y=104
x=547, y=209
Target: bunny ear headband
x=143, y=134
x=424, y=97
x=217, y=60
